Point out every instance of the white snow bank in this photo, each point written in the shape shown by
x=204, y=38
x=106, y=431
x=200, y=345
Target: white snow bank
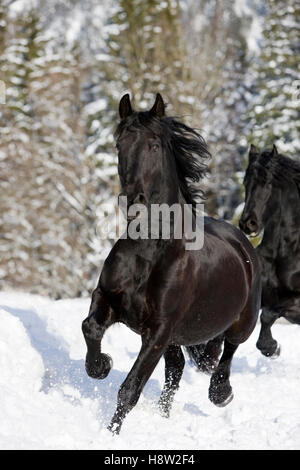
x=48, y=402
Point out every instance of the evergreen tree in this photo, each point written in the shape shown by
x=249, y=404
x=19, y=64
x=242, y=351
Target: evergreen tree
x=64, y=76
x=218, y=57
x=274, y=116
x=17, y=149
x=143, y=54
x=48, y=230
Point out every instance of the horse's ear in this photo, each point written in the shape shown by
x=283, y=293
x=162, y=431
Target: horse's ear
x=253, y=152
x=274, y=151
x=125, y=108
x=158, y=109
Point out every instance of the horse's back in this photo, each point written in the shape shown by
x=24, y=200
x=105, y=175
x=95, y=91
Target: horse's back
x=231, y=235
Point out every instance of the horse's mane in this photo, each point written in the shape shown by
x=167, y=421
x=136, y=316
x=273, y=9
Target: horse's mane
x=184, y=144
x=288, y=169
x=283, y=168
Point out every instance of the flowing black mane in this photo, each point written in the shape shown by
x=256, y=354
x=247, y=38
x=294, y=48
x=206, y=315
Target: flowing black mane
x=287, y=169
x=183, y=143
x=278, y=167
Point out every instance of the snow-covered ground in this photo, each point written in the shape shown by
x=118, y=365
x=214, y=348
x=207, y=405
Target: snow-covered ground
x=48, y=402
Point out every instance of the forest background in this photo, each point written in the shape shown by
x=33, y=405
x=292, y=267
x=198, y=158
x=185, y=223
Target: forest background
x=227, y=68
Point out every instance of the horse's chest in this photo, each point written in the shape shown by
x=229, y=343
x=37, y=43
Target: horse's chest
x=125, y=285
x=282, y=272
x=288, y=272
x=132, y=308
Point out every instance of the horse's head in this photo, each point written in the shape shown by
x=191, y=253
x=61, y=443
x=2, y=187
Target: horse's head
x=141, y=152
x=258, y=188
x=159, y=157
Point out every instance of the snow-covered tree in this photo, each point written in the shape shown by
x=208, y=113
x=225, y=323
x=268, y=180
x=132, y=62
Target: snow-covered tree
x=275, y=111
x=218, y=64
x=133, y=60
x=145, y=53
x=48, y=227
x=17, y=148
x=67, y=64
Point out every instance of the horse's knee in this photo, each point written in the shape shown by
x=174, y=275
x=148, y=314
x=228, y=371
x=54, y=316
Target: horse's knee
x=88, y=327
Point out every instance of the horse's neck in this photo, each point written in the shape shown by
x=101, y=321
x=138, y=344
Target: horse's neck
x=161, y=226
x=282, y=230
x=270, y=243
x=290, y=218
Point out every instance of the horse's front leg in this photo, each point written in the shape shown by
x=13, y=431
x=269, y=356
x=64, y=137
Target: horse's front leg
x=100, y=317
x=266, y=343
x=154, y=345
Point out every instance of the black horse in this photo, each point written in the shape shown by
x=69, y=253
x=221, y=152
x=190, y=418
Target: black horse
x=272, y=184
x=169, y=295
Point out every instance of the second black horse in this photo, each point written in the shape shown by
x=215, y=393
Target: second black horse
x=272, y=203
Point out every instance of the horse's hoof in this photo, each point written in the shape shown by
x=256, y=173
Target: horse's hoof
x=276, y=353
x=272, y=351
x=225, y=402
x=164, y=410
x=114, y=428
x=220, y=394
x=164, y=413
x=99, y=368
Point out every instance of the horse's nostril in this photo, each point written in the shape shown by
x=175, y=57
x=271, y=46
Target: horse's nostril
x=252, y=225
x=139, y=199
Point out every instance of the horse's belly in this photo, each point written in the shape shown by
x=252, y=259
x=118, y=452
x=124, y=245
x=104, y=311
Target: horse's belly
x=202, y=328
x=213, y=311
x=191, y=337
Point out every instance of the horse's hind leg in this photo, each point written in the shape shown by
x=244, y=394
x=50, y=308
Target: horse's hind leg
x=94, y=326
x=266, y=343
x=174, y=365
x=220, y=391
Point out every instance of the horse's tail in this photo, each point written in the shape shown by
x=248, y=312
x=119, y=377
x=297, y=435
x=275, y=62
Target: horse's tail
x=206, y=356
x=195, y=353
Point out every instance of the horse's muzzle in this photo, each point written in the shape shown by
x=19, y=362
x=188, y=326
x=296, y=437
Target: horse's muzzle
x=249, y=226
